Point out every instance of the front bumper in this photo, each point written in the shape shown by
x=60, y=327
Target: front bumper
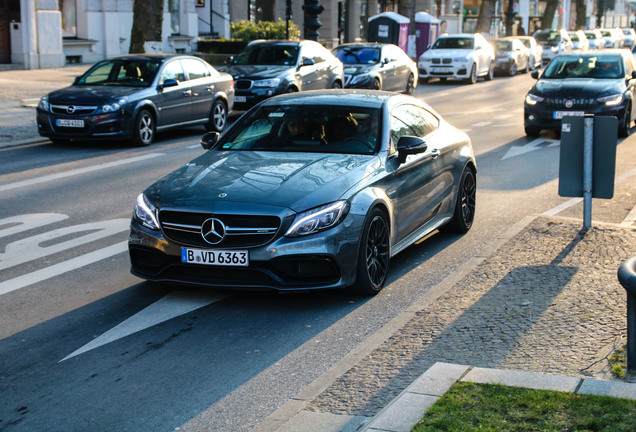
x=503, y=64
x=540, y=116
x=112, y=126
x=459, y=70
x=319, y=261
x=246, y=99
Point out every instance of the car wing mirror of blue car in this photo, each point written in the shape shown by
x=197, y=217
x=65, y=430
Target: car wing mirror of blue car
x=409, y=145
x=307, y=62
x=169, y=83
x=535, y=74
x=209, y=139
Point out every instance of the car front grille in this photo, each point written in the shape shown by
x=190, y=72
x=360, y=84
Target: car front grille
x=442, y=61
x=73, y=109
x=243, y=84
x=241, y=231
x=576, y=102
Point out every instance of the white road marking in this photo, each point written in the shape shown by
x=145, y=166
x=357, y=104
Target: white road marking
x=17, y=224
x=29, y=249
x=482, y=124
x=630, y=219
x=173, y=305
x=503, y=116
x=60, y=268
x=535, y=144
x=77, y=171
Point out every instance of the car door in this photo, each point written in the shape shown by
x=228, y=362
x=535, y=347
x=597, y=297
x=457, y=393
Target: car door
x=483, y=61
x=422, y=181
x=173, y=101
x=401, y=70
x=307, y=69
x=202, y=87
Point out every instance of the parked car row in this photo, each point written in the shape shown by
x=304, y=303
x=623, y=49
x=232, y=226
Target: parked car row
x=131, y=98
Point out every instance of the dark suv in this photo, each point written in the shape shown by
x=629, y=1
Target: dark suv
x=267, y=68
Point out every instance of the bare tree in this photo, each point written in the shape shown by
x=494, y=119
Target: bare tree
x=407, y=8
x=147, y=25
x=486, y=13
x=548, y=14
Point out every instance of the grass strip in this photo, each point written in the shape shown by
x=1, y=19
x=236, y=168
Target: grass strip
x=490, y=407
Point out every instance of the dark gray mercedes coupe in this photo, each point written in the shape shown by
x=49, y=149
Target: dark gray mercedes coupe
x=306, y=191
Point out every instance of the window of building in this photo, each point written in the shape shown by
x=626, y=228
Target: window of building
x=68, y=8
x=174, y=6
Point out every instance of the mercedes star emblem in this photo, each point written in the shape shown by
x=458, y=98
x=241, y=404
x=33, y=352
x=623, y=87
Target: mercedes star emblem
x=213, y=231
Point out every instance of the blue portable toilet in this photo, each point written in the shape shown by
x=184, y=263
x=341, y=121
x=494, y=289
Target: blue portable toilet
x=390, y=27
x=426, y=31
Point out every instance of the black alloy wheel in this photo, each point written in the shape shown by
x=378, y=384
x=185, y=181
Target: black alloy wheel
x=472, y=79
x=376, y=84
x=513, y=69
x=464, y=215
x=625, y=123
x=218, y=117
x=144, y=129
x=336, y=85
x=410, y=85
x=531, y=131
x=373, y=255
x=491, y=72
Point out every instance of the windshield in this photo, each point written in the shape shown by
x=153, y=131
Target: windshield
x=358, y=55
x=526, y=42
x=129, y=73
x=454, y=43
x=585, y=67
x=551, y=38
x=503, y=45
x=574, y=37
x=590, y=35
x=268, y=55
x=304, y=128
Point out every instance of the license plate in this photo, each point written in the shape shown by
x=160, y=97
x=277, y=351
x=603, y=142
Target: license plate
x=442, y=70
x=69, y=123
x=240, y=98
x=560, y=114
x=215, y=257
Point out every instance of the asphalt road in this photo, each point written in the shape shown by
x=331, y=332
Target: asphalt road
x=84, y=345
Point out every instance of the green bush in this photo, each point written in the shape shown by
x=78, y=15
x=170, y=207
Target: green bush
x=248, y=31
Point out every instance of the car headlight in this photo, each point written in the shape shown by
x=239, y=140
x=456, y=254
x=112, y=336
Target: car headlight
x=318, y=219
x=146, y=213
x=461, y=59
x=267, y=83
x=611, y=100
x=44, y=103
x=359, y=78
x=112, y=106
x=532, y=99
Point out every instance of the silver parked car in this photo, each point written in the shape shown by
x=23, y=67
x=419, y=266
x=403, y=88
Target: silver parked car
x=377, y=66
x=579, y=40
x=595, y=39
x=307, y=191
x=535, y=51
x=554, y=42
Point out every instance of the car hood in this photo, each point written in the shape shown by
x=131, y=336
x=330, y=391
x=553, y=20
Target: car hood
x=256, y=72
x=357, y=69
x=297, y=181
x=90, y=95
x=448, y=52
x=578, y=87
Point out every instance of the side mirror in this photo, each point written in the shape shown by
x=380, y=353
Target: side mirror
x=633, y=74
x=409, y=145
x=229, y=60
x=307, y=62
x=209, y=139
x=386, y=60
x=170, y=83
x=535, y=74
x=76, y=80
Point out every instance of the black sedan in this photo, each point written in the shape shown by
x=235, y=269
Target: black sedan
x=271, y=67
x=307, y=191
x=377, y=66
x=134, y=96
x=579, y=83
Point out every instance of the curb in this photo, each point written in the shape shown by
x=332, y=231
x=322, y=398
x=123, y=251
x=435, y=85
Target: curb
x=17, y=143
x=408, y=408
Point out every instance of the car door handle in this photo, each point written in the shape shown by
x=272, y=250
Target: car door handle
x=211, y=88
x=435, y=153
x=187, y=92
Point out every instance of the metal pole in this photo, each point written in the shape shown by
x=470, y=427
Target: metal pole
x=627, y=278
x=588, y=154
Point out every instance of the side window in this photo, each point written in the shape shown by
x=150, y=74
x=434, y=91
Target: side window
x=411, y=120
x=195, y=68
x=172, y=70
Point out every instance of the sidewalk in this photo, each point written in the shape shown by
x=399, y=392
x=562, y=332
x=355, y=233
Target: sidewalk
x=542, y=309
x=21, y=91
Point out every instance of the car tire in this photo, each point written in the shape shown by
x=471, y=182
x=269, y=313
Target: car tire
x=410, y=85
x=531, y=131
x=513, y=69
x=472, y=78
x=218, y=117
x=336, y=85
x=373, y=254
x=527, y=69
x=376, y=84
x=464, y=214
x=625, y=124
x=144, y=129
x=292, y=89
x=491, y=72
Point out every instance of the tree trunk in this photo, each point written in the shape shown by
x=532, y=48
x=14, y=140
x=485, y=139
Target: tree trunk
x=145, y=35
x=581, y=10
x=486, y=13
x=407, y=8
x=548, y=14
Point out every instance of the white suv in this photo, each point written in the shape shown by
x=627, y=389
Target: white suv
x=553, y=42
x=464, y=56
